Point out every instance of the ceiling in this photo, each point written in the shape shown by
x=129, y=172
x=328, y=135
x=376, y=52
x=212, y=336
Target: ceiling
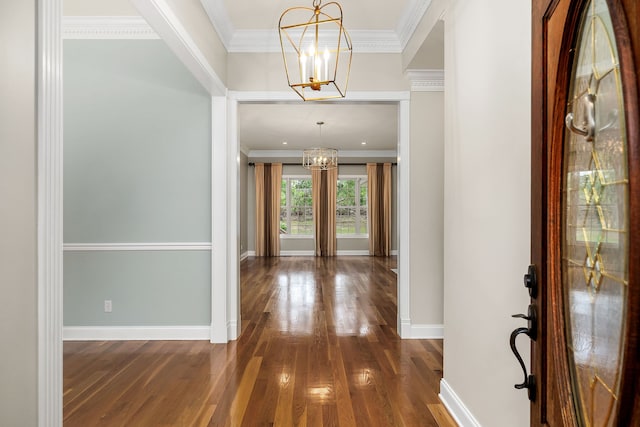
x=266, y=126
x=358, y=14
x=346, y=126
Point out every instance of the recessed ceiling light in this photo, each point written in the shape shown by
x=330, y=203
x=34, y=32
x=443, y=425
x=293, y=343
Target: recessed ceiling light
x=364, y=143
x=284, y=142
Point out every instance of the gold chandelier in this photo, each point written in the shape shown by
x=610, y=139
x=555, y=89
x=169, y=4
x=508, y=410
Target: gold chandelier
x=320, y=158
x=316, y=50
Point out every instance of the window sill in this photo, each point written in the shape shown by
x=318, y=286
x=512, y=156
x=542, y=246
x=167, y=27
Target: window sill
x=296, y=236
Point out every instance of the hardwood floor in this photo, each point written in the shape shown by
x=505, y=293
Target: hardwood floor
x=319, y=348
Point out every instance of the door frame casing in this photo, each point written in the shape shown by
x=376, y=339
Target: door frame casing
x=402, y=99
x=49, y=123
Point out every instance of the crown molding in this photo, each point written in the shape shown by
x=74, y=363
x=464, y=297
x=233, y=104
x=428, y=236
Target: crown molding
x=219, y=17
x=410, y=19
x=268, y=41
x=367, y=153
x=370, y=41
x=426, y=80
x=244, y=150
x=106, y=27
x=343, y=154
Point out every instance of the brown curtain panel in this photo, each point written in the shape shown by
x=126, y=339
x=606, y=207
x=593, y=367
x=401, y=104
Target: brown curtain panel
x=268, y=185
x=379, y=189
x=323, y=189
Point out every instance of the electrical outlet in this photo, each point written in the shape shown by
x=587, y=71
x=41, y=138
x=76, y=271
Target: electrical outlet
x=107, y=306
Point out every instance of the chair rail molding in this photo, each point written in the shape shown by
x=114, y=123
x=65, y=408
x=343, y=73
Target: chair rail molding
x=101, y=247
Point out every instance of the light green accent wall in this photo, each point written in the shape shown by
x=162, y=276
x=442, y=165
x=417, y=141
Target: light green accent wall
x=137, y=154
x=146, y=288
x=137, y=161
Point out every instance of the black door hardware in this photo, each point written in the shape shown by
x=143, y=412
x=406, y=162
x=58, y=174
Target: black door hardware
x=532, y=332
x=531, y=281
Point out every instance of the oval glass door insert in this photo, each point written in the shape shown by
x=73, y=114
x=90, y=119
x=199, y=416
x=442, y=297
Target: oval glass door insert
x=595, y=220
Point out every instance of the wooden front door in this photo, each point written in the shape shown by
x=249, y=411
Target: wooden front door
x=585, y=275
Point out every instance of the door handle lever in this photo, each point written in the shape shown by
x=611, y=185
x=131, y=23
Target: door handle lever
x=532, y=321
x=531, y=331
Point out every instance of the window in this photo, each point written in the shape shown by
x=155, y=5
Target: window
x=351, y=206
x=296, y=214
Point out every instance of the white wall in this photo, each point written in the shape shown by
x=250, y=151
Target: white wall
x=426, y=234
x=18, y=314
x=265, y=71
x=486, y=203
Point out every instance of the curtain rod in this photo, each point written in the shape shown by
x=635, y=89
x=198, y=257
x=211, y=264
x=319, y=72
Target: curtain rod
x=339, y=164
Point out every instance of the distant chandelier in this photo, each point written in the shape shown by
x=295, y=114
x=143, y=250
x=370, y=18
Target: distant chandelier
x=320, y=158
x=316, y=50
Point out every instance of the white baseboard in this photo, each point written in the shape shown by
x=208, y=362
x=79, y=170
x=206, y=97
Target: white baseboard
x=405, y=329
x=232, y=330
x=456, y=407
x=135, y=333
x=394, y=252
x=244, y=255
x=426, y=332
x=297, y=253
x=364, y=252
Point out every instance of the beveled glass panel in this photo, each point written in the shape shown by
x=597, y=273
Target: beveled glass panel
x=595, y=221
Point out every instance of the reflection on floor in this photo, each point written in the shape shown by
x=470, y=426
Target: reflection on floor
x=318, y=348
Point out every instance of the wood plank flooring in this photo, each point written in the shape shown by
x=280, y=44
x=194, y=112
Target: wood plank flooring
x=318, y=348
